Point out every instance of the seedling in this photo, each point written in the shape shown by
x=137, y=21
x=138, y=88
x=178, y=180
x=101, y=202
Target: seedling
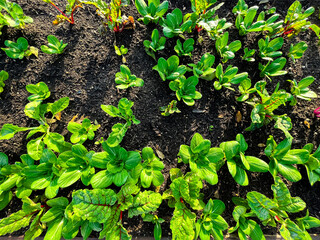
x=170, y=69
x=203, y=69
x=157, y=231
x=170, y=109
x=268, y=50
x=273, y=68
x=184, y=49
x=301, y=90
x=173, y=26
x=3, y=76
x=121, y=52
x=155, y=45
x=245, y=90
x=125, y=79
x=82, y=132
x=185, y=89
x=20, y=49
x=248, y=55
x=55, y=46
x=14, y=17
x=230, y=76
x=123, y=111
x=215, y=27
x=296, y=51
x=153, y=12
x=227, y=51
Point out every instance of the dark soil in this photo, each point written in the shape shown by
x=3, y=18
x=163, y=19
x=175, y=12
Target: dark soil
x=85, y=72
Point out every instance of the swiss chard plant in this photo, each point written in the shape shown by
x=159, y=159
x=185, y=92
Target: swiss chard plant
x=170, y=69
x=268, y=50
x=157, y=231
x=155, y=45
x=82, y=131
x=296, y=20
x=185, y=89
x=125, y=79
x=37, y=110
x=153, y=11
x=273, y=211
x=184, y=49
x=273, y=68
x=228, y=77
x=238, y=163
x=215, y=27
x=11, y=14
x=173, y=26
x=202, y=158
x=170, y=109
x=19, y=49
x=282, y=158
x=226, y=51
x=122, y=111
x=3, y=77
x=301, y=90
x=245, y=90
x=296, y=51
x=265, y=105
x=203, y=69
x=55, y=46
x=121, y=51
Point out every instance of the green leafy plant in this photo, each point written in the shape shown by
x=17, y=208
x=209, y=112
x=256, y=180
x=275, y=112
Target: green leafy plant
x=269, y=49
x=121, y=52
x=248, y=55
x=238, y=162
x=273, y=68
x=170, y=109
x=282, y=159
x=211, y=223
x=228, y=77
x=3, y=76
x=150, y=169
x=119, y=165
x=153, y=11
x=184, y=49
x=245, y=19
x=313, y=164
x=170, y=69
x=173, y=26
x=125, y=79
x=265, y=105
x=301, y=90
x=271, y=211
x=82, y=131
x=55, y=46
x=37, y=110
x=227, y=51
x=215, y=27
x=14, y=16
x=296, y=20
x=203, y=69
x=123, y=111
x=157, y=231
x=185, y=89
x=296, y=51
x=20, y=49
x=245, y=90
x=201, y=158
x=155, y=45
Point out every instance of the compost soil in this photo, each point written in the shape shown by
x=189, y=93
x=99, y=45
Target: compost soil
x=85, y=73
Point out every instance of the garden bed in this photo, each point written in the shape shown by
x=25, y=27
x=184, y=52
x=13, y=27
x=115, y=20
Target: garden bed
x=85, y=73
